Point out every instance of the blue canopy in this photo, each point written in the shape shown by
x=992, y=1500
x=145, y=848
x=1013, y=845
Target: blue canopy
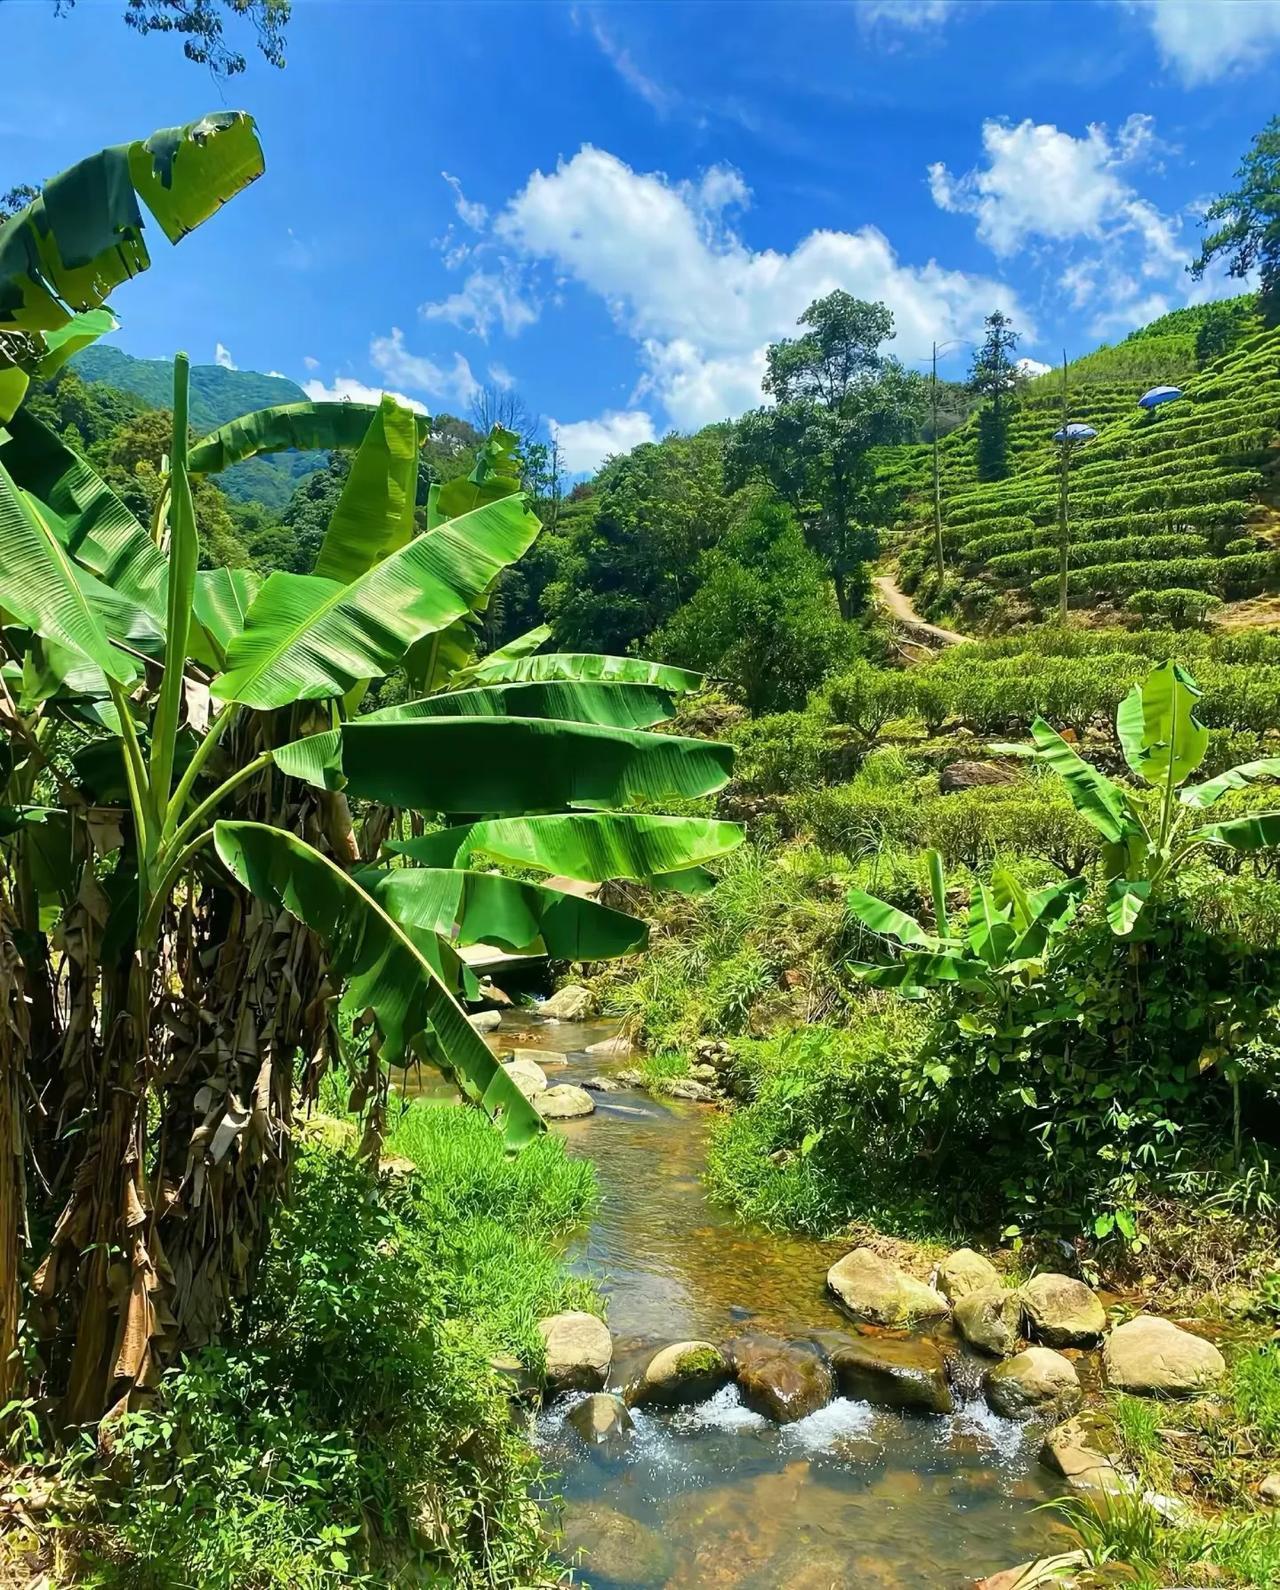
x=1159, y=395
x=1075, y=432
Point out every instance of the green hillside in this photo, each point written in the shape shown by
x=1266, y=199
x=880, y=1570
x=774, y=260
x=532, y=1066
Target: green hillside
x=1179, y=498
x=217, y=395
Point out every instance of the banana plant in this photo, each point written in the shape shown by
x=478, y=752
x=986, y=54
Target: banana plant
x=64, y=253
x=203, y=698
x=1002, y=941
x=1150, y=834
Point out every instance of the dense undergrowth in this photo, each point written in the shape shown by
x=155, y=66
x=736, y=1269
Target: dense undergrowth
x=1129, y=1084
x=348, y=1428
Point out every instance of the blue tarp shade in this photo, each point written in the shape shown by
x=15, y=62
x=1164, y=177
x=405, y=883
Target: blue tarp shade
x=1075, y=433
x=1159, y=395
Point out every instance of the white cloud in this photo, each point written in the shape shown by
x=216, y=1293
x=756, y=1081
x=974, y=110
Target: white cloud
x=1041, y=182
x=470, y=212
x=311, y=364
x=701, y=304
x=391, y=358
x=486, y=299
x=1028, y=368
x=585, y=444
x=1208, y=39
x=346, y=390
x=222, y=356
x=279, y=373
x=912, y=14
x=501, y=377
x=657, y=96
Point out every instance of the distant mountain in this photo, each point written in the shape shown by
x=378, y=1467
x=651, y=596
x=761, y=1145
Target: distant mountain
x=217, y=395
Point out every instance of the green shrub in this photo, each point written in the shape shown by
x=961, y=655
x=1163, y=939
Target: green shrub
x=1181, y=608
x=350, y=1431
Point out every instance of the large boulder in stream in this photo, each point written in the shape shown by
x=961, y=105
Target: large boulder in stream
x=990, y=1320
x=527, y=1075
x=963, y=1272
x=615, y=1548
x=1034, y=1381
x=783, y=1380
x=1153, y=1357
x=1060, y=1311
x=616, y=1048
x=602, y=1420
x=570, y=1003
x=683, y=1372
x=579, y=1351
x=878, y=1292
x=565, y=1102
x=893, y=1374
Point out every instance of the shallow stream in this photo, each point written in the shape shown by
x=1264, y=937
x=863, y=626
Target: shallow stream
x=714, y=1497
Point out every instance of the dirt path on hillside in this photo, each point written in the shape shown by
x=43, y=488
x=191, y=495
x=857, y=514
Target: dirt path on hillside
x=899, y=605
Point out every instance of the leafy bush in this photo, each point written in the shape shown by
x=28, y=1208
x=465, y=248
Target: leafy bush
x=320, y=1445
x=1181, y=608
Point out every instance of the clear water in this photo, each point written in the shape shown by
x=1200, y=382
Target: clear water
x=715, y=1497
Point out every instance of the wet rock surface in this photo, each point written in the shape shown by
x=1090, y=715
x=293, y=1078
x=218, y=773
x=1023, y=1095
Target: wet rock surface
x=684, y=1372
x=1037, y=1379
x=570, y=1003
x=1080, y=1449
x=602, y=1420
x=579, y=1351
x=964, y=1272
x=991, y=1321
x=894, y=1374
x=784, y=1380
x=564, y=1102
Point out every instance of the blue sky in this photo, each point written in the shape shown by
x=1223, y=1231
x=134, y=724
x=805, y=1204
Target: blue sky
x=617, y=206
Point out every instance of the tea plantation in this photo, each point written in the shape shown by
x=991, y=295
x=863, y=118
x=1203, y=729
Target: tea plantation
x=1180, y=498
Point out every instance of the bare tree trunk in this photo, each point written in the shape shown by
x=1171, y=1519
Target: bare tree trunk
x=14, y=1041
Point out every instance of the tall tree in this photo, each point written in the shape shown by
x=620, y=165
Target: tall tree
x=837, y=395
x=199, y=23
x=991, y=376
x=1246, y=220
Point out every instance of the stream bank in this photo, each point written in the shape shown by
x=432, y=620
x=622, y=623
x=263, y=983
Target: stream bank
x=715, y=1497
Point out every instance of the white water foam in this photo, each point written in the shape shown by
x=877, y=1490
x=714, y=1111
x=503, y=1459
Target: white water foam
x=725, y=1411
x=1004, y=1439
x=840, y=1421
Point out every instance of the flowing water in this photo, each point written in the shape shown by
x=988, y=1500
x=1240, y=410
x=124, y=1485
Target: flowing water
x=714, y=1497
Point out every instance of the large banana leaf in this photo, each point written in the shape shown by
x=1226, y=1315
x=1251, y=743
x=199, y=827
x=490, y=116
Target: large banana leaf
x=506, y=766
x=435, y=662
x=1244, y=833
x=496, y=474
x=486, y=908
x=583, y=665
x=619, y=706
x=96, y=528
x=382, y=969
x=309, y=427
x=71, y=247
x=1093, y=795
x=883, y=918
x=1126, y=898
x=522, y=646
x=307, y=638
x=990, y=932
x=587, y=846
x=1213, y=789
x=41, y=588
x=374, y=515
x=1163, y=740
x=222, y=602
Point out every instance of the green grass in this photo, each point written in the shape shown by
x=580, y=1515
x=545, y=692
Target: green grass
x=490, y=1223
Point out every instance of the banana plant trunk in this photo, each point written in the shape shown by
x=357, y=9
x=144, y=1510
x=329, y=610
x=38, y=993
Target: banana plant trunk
x=14, y=1041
